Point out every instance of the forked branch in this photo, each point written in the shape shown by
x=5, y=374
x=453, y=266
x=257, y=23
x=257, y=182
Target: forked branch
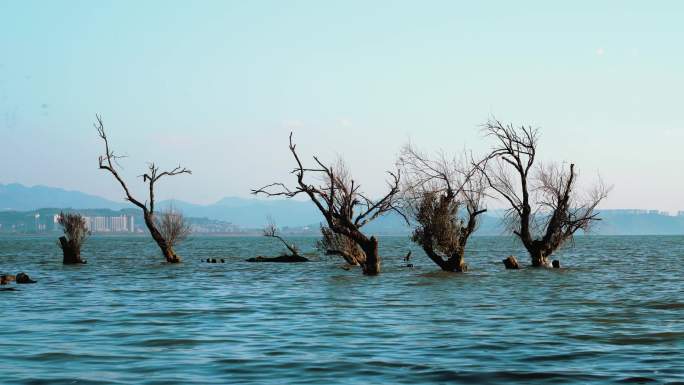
x=108, y=162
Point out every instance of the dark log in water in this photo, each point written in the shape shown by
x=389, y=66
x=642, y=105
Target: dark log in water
x=511, y=262
x=281, y=259
x=556, y=264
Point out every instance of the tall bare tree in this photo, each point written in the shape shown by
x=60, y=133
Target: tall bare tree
x=545, y=208
x=75, y=235
x=345, y=209
x=108, y=162
x=434, y=191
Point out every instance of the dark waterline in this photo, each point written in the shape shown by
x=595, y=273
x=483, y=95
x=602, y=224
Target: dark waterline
x=613, y=315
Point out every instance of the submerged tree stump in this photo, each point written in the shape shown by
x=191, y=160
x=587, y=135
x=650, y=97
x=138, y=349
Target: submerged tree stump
x=24, y=278
x=282, y=259
x=71, y=252
x=407, y=259
x=511, y=263
x=556, y=264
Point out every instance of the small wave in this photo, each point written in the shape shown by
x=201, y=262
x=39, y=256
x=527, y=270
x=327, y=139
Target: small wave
x=665, y=305
x=636, y=380
x=513, y=376
x=646, y=339
x=162, y=342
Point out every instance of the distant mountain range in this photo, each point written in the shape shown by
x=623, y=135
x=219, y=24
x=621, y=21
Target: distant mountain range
x=240, y=211
x=253, y=213
x=18, y=197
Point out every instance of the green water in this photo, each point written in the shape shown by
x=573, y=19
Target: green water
x=613, y=314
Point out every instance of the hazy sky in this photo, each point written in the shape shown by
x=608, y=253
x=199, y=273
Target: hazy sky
x=218, y=86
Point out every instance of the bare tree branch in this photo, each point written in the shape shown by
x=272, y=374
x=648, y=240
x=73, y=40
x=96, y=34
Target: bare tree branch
x=271, y=231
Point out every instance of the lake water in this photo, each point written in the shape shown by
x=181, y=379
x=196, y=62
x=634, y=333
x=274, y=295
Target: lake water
x=614, y=314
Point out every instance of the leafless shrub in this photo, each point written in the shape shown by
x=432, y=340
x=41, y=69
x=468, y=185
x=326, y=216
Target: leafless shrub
x=173, y=226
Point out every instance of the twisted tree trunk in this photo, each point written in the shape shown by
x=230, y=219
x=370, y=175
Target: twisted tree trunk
x=168, y=252
x=539, y=253
x=454, y=263
x=538, y=258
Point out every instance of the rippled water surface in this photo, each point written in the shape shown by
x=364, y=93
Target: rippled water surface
x=613, y=314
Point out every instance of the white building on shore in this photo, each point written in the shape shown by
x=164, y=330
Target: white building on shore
x=118, y=224
x=105, y=224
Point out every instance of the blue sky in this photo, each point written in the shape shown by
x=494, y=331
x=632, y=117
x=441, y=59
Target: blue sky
x=219, y=85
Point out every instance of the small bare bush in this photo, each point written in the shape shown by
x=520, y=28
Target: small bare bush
x=75, y=229
x=173, y=226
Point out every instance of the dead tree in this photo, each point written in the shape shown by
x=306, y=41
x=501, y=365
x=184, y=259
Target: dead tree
x=345, y=209
x=107, y=162
x=545, y=208
x=271, y=231
x=434, y=191
x=75, y=234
